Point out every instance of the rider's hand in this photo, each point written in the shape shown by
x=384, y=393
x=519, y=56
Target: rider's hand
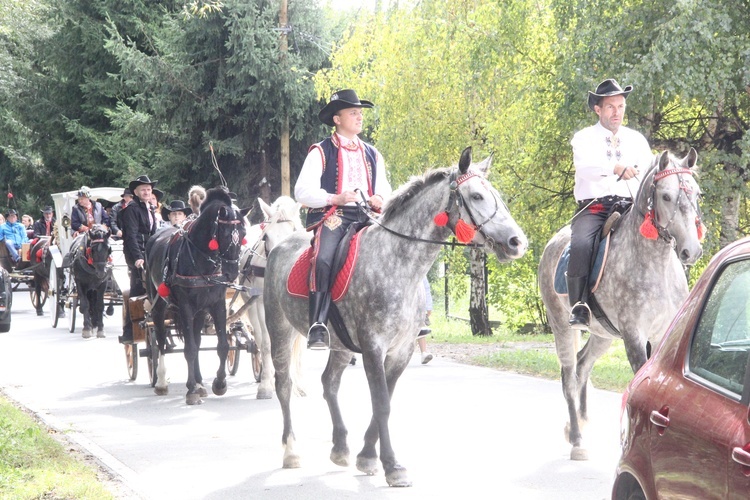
x=625, y=173
x=139, y=263
x=344, y=197
x=376, y=202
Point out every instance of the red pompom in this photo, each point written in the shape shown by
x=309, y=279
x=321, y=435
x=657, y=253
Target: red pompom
x=39, y=255
x=648, y=229
x=163, y=291
x=10, y=195
x=441, y=219
x=90, y=261
x=244, y=241
x=213, y=245
x=701, y=229
x=464, y=232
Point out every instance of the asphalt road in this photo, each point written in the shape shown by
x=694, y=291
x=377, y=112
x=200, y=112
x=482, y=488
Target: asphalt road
x=461, y=431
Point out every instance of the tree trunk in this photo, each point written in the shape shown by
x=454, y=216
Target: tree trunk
x=478, y=313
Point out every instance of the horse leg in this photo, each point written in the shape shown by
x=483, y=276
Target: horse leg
x=635, y=348
x=85, y=305
x=38, y=291
x=257, y=316
x=191, y=352
x=219, y=387
x=331, y=378
x=566, y=341
x=593, y=350
x=198, y=324
x=382, y=376
x=282, y=336
x=161, y=388
x=99, y=310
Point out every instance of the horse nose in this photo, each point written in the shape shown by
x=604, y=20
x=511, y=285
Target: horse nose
x=517, y=244
x=688, y=257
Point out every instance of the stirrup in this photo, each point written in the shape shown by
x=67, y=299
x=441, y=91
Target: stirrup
x=580, y=316
x=316, y=336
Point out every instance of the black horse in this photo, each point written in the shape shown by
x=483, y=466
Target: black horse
x=89, y=261
x=189, y=269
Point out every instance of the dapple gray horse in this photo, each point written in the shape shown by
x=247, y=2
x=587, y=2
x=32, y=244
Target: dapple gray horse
x=384, y=307
x=643, y=285
x=281, y=219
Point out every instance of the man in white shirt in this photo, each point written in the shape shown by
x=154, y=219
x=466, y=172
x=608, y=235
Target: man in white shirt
x=608, y=158
x=335, y=171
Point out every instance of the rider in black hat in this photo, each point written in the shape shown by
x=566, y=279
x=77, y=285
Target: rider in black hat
x=114, y=224
x=608, y=157
x=176, y=213
x=46, y=225
x=334, y=170
x=138, y=222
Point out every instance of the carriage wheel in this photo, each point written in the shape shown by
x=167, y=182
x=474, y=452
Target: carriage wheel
x=38, y=299
x=131, y=359
x=54, y=294
x=233, y=356
x=257, y=361
x=72, y=316
x=153, y=356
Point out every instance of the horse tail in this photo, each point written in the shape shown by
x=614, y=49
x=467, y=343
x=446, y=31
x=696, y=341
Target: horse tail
x=295, y=366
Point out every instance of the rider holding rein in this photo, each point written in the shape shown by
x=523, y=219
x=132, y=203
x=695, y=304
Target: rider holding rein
x=607, y=157
x=86, y=213
x=334, y=170
x=138, y=223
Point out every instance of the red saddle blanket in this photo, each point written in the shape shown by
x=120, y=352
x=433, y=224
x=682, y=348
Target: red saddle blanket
x=299, y=276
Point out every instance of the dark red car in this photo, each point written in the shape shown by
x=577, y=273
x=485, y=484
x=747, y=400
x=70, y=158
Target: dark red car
x=685, y=428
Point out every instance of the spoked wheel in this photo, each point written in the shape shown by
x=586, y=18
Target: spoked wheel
x=54, y=294
x=38, y=299
x=153, y=355
x=72, y=316
x=131, y=359
x=233, y=356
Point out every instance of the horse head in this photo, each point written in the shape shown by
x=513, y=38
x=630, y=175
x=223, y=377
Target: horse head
x=226, y=233
x=481, y=212
x=280, y=220
x=98, y=250
x=668, y=200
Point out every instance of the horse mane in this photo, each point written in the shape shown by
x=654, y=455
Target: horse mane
x=404, y=194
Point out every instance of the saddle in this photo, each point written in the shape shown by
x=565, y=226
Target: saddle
x=343, y=266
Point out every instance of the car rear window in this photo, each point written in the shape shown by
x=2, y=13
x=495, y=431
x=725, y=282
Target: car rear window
x=719, y=352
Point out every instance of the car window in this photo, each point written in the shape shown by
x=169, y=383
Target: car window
x=719, y=352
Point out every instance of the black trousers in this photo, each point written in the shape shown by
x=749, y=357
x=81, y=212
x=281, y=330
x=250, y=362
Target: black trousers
x=326, y=240
x=586, y=225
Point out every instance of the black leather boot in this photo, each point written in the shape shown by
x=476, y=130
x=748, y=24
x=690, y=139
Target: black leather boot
x=578, y=292
x=318, y=335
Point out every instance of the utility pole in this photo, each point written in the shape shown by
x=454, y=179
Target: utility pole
x=285, y=181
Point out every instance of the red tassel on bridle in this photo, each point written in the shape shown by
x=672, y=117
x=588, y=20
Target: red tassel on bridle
x=441, y=219
x=213, y=245
x=464, y=232
x=648, y=229
x=163, y=291
x=701, y=229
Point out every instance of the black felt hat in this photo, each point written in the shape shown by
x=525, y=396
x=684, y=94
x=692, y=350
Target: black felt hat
x=342, y=99
x=141, y=179
x=126, y=192
x=607, y=88
x=175, y=206
x=48, y=209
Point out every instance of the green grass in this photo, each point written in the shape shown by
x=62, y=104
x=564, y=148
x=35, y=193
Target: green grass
x=531, y=353
x=35, y=465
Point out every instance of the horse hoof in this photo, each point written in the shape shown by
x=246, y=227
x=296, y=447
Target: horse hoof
x=398, y=477
x=264, y=394
x=291, y=462
x=340, y=458
x=202, y=392
x=39, y=313
x=367, y=465
x=161, y=391
x=219, y=388
x=193, y=399
x=578, y=453
x=85, y=333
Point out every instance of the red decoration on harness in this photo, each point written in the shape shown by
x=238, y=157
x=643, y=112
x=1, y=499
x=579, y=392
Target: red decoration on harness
x=648, y=229
x=163, y=290
x=213, y=245
x=39, y=255
x=441, y=219
x=701, y=229
x=464, y=232
x=90, y=261
x=244, y=241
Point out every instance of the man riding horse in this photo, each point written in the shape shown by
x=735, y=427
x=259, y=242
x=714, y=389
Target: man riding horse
x=607, y=157
x=138, y=224
x=334, y=170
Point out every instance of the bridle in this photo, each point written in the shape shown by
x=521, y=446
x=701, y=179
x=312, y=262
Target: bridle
x=684, y=187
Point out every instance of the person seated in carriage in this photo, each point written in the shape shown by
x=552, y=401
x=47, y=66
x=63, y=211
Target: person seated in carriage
x=114, y=223
x=13, y=234
x=138, y=223
x=28, y=222
x=46, y=225
x=176, y=213
x=196, y=195
x=333, y=171
x=86, y=213
x=608, y=158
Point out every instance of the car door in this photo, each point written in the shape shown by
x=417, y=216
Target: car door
x=700, y=417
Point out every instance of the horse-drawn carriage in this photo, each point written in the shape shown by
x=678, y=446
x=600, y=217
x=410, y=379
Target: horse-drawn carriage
x=64, y=296
x=30, y=272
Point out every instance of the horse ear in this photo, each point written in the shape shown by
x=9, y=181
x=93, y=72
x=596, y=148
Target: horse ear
x=465, y=161
x=245, y=211
x=663, y=160
x=267, y=212
x=484, y=167
x=692, y=158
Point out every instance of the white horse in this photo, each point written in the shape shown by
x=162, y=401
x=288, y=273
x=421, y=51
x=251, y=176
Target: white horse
x=281, y=219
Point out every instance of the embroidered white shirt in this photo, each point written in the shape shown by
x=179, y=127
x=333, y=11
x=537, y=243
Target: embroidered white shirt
x=308, y=191
x=596, y=151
